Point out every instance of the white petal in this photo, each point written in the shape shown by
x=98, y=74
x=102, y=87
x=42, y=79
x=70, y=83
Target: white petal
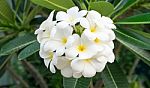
x=47, y=62
x=77, y=65
x=62, y=24
x=111, y=44
x=62, y=62
x=71, y=52
x=61, y=16
x=52, y=68
x=60, y=51
x=67, y=72
x=73, y=10
x=82, y=13
x=51, y=46
x=89, y=70
x=43, y=54
x=84, y=23
x=100, y=64
x=77, y=75
x=50, y=18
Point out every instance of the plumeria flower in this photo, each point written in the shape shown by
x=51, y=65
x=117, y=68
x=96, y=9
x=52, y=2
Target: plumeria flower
x=63, y=64
x=44, y=31
x=60, y=40
x=89, y=66
x=71, y=17
x=49, y=58
x=81, y=46
x=108, y=53
x=94, y=27
x=108, y=23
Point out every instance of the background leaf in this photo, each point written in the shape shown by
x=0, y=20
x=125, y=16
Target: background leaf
x=133, y=38
x=76, y=83
x=128, y=5
x=104, y=8
x=145, y=56
x=29, y=50
x=5, y=11
x=17, y=44
x=113, y=76
x=55, y=4
x=143, y=18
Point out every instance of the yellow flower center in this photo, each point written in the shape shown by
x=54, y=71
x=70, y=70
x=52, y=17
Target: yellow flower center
x=96, y=40
x=51, y=55
x=81, y=48
x=64, y=40
x=93, y=29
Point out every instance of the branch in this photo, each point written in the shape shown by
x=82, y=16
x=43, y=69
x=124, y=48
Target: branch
x=37, y=76
x=16, y=77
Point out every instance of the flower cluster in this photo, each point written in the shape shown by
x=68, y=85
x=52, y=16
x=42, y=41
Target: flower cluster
x=79, y=43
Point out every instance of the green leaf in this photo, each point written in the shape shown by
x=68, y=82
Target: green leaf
x=104, y=8
x=3, y=62
x=29, y=50
x=133, y=38
x=5, y=11
x=76, y=83
x=128, y=5
x=120, y=4
x=32, y=14
x=145, y=56
x=17, y=44
x=143, y=18
x=55, y=4
x=147, y=35
x=114, y=77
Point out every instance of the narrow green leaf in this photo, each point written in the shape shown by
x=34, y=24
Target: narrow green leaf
x=120, y=4
x=3, y=62
x=55, y=4
x=32, y=14
x=143, y=18
x=145, y=56
x=128, y=5
x=133, y=38
x=104, y=8
x=114, y=77
x=29, y=50
x=147, y=35
x=17, y=44
x=5, y=11
x=76, y=83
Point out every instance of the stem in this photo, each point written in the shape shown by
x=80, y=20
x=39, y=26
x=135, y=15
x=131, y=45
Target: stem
x=99, y=84
x=36, y=75
x=133, y=67
x=17, y=77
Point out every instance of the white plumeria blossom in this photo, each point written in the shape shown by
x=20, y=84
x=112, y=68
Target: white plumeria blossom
x=44, y=32
x=49, y=58
x=78, y=43
x=71, y=17
x=89, y=66
x=95, y=28
x=60, y=40
x=81, y=46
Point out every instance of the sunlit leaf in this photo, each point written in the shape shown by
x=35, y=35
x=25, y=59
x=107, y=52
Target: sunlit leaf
x=55, y=4
x=104, y=8
x=143, y=18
